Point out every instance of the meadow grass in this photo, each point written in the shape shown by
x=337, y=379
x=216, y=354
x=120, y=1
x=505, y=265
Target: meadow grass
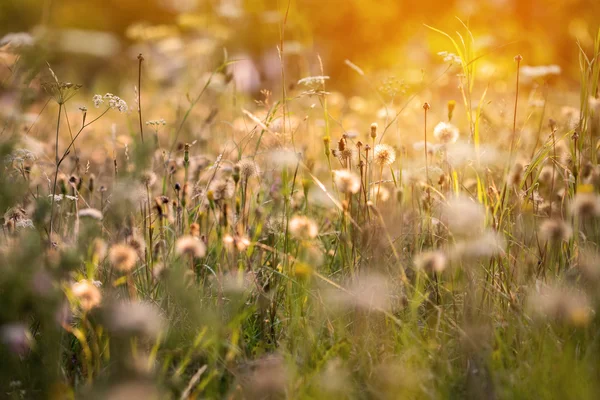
x=305, y=244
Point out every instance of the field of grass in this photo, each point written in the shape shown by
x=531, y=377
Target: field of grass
x=202, y=233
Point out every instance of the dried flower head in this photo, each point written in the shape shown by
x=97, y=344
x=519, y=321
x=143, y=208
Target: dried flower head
x=586, y=205
x=561, y=304
x=190, y=246
x=98, y=249
x=384, y=154
x=302, y=227
x=346, y=181
x=135, y=318
x=222, y=189
x=239, y=243
x=464, y=216
x=16, y=337
x=87, y=293
x=381, y=193
x=374, y=127
x=122, y=257
x=555, y=230
x=148, y=178
x=515, y=175
x=445, y=132
x=90, y=213
x=248, y=168
x=431, y=261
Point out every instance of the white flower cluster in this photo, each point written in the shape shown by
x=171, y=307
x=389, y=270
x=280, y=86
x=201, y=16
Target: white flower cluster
x=156, y=122
x=450, y=57
x=313, y=80
x=114, y=102
x=20, y=155
x=97, y=99
x=540, y=71
x=59, y=197
x=24, y=223
x=19, y=39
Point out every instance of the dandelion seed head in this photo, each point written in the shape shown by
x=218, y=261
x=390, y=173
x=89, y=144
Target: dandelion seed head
x=555, y=231
x=381, y=193
x=122, y=257
x=190, y=246
x=384, y=154
x=446, y=133
x=431, y=261
x=346, y=181
x=302, y=227
x=586, y=205
x=87, y=293
x=248, y=168
x=222, y=189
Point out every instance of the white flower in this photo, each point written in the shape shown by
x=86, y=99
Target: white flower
x=24, y=223
x=540, y=71
x=97, y=99
x=114, y=102
x=19, y=39
x=91, y=213
x=313, y=80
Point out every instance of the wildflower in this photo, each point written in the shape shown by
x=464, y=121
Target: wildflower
x=540, y=71
x=302, y=227
x=384, y=154
x=546, y=175
x=366, y=292
x=450, y=57
x=248, y=168
x=431, y=261
x=87, y=293
x=374, y=130
x=90, y=213
x=586, y=205
x=190, y=246
x=346, y=181
x=24, y=223
x=594, y=104
x=157, y=122
x=114, y=102
x=222, y=189
x=312, y=81
x=267, y=379
x=98, y=249
x=239, y=243
x=16, y=337
x=97, y=100
x=138, y=244
x=135, y=318
x=561, y=304
x=122, y=257
x=195, y=229
x=486, y=244
x=148, y=178
x=381, y=193
x=555, y=230
x=18, y=39
x=445, y=132
x=464, y=216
